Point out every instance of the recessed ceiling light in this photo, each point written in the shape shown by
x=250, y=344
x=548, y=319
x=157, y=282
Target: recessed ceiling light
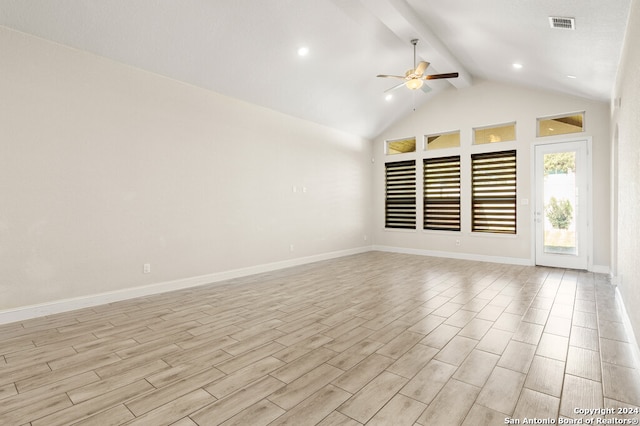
x=388, y=97
x=571, y=76
x=517, y=66
x=303, y=51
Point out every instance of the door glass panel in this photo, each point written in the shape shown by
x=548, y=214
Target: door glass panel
x=560, y=201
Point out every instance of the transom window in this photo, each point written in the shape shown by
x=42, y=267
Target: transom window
x=442, y=140
x=561, y=125
x=492, y=134
x=401, y=146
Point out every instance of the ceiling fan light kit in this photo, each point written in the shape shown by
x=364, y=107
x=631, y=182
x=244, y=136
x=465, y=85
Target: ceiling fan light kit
x=414, y=78
x=414, y=84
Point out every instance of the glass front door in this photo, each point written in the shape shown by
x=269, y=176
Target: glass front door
x=561, y=205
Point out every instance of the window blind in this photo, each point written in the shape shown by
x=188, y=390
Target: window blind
x=442, y=193
x=400, y=195
x=493, y=187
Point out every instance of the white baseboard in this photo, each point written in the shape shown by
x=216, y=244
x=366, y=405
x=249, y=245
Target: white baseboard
x=65, y=305
x=454, y=255
x=600, y=269
x=628, y=328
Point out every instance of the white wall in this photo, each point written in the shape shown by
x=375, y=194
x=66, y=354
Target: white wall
x=483, y=104
x=626, y=118
x=104, y=168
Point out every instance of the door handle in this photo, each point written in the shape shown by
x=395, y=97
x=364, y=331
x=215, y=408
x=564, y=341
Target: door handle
x=538, y=218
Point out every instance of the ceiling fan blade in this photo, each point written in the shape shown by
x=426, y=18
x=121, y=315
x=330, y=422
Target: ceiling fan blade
x=420, y=69
x=391, y=76
x=394, y=87
x=439, y=76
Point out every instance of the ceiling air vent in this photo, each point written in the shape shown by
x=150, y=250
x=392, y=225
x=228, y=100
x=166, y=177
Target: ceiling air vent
x=562, y=23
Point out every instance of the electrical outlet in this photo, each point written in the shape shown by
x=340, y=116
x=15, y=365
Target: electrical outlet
x=291, y=247
x=146, y=268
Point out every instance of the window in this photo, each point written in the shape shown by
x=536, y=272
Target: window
x=400, y=197
x=442, y=193
x=500, y=133
x=561, y=125
x=443, y=140
x=401, y=146
x=493, y=192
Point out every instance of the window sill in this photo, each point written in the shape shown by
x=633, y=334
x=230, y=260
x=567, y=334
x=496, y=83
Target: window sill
x=437, y=232
x=492, y=235
x=410, y=231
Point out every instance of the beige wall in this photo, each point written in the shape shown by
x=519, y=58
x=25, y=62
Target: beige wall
x=104, y=168
x=626, y=172
x=489, y=103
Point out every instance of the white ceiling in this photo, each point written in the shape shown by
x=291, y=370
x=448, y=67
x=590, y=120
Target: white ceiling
x=247, y=49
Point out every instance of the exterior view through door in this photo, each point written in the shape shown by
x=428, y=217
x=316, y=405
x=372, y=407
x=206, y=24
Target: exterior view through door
x=562, y=202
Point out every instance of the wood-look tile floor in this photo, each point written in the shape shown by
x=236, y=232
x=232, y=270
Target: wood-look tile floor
x=376, y=339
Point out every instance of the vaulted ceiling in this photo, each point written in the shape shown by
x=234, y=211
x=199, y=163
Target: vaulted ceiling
x=248, y=49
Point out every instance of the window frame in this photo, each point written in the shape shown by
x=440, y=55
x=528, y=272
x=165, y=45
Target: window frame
x=494, y=207
x=442, y=213
x=401, y=202
x=387, y=144
x=437, y=135
x=554, y=117
x=474, y=131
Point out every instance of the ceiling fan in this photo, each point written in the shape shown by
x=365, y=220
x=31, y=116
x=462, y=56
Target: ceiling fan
x=414, y=78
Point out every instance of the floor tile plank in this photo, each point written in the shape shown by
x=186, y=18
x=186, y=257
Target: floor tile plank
x=383, y=338
x=428, y=382
x=225, y=408
x=354, y=379
x=400, y=410
x=477, y=368
x=367, y=401
x=451, y=405
x=502, y=390
x=314, y=408
x=293, y=393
